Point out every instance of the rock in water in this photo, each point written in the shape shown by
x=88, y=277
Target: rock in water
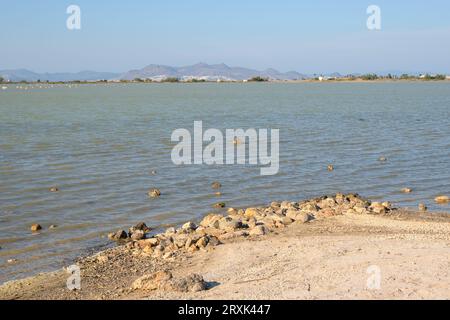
x=137, y=235
x=330, y=167
x=382, y=159
x=442, y=199
x=422, y=207
x=36, y=227
x=54, y=189
x=406, y=190
x=219, y=205
x=119, y=235
x=140, y=226
x=216, y=185
x=154, y=193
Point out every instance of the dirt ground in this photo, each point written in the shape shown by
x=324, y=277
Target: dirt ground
x=341, y=257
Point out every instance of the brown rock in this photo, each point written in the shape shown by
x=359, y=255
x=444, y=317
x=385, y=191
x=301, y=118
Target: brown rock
x=211, y=220
x=102, y=258
x=137, y=235
x=378, y=208
x=360, y=210
x=309, y=206
x=213, y=241
x=229, y=224
x=191, y=283
x=36, y=227
x=53, y=189
x=219, y=205
x=442, y=199
x=216, y=185
x=406, y=190
x=233, y=235
x=154, y=193
x=422, y=207
x=326, y=213
x=251, y=212
x=327, y=203
x=302, y=217
x=275, y=205
x=259, y=230
x=202, y=242
x=189, y=226
x=119, y=235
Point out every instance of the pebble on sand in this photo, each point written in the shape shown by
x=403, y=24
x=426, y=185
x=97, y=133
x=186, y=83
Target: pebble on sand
x=36, y=227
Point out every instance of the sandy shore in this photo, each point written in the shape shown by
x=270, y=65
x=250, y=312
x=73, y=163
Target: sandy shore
x=328, y=257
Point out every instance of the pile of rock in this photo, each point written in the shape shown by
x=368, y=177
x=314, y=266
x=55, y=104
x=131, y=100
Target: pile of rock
x=253, y=222
x=138, y=232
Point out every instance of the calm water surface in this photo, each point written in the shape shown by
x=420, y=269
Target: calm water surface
x=99, y=145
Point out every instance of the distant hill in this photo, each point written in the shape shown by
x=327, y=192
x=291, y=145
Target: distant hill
x=27, y=75
x=208, y=72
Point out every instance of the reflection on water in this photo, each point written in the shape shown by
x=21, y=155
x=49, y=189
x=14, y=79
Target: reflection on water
x=100, y=144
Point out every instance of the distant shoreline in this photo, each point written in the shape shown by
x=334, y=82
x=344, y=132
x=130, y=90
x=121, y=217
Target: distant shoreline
x=24, y=83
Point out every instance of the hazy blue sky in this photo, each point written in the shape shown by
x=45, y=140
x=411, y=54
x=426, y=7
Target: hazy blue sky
x=307, y=36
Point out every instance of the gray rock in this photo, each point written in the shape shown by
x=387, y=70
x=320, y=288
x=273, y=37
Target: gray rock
x=137, y=235
x=119, y=235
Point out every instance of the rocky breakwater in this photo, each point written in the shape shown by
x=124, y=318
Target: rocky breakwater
x=215, y=229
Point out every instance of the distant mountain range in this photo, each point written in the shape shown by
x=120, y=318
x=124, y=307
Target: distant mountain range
x=156, y=72
x=209, y=72
x=27, y=75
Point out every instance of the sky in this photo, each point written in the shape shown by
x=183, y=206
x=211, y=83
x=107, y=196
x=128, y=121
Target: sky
x=320, y=36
